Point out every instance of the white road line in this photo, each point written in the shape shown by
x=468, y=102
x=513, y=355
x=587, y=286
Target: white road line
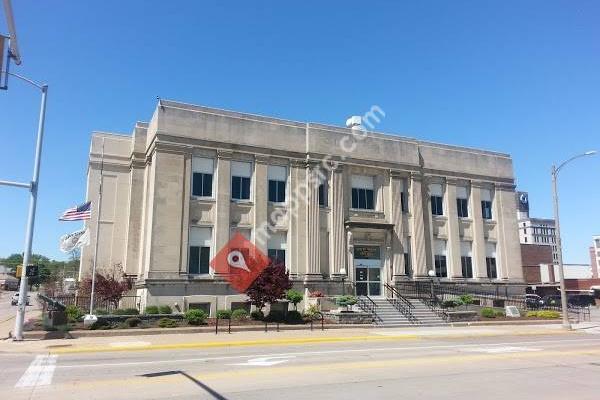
x=39, y=373
x=324, y=352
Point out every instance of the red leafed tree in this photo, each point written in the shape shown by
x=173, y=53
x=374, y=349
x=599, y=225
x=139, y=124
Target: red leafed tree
x=270, y=286
x=108, y=287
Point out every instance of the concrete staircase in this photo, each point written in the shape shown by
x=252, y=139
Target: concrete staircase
x=390, y=317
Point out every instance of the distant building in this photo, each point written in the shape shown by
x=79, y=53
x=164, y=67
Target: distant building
x=538, y=231
x=595, y=256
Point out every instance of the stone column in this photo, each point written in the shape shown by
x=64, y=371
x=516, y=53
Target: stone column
x=337, y=238
x=419, y=207
x=508, y=248
x=223, y=201
x=479, y=267
x=313, y=229
x=261, y=197
x=397, y=249
x=453, y=246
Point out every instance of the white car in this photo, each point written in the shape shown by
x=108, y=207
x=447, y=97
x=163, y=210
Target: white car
x=15, y=299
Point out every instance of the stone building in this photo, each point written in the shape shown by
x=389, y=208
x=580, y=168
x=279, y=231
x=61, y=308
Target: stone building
x=381, y=208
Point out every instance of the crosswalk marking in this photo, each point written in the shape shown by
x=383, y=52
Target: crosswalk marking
x=39, y=372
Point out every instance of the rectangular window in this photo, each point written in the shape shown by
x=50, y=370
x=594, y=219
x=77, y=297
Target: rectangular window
x=440, y=258
x=403, y=196
x=241, y=172
x=323, y=195
x=467, y=267
x=202, y=176
x=462, y=208
x=407, y=264
x=277, y=177
x=486, y=203
x=276, y=246
x=199, y=255
x=437, y=199
x=462, y=202
x=363, y=192
x=466, y=259
x=486, y=209
x=490, y=260
x=440, y=266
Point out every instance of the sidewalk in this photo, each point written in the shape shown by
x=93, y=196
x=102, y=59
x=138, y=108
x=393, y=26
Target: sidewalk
x=237, y=339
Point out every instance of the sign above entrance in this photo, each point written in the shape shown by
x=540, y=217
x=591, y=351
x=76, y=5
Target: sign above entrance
x=366, y=253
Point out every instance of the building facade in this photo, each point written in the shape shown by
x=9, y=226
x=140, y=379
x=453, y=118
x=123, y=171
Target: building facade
x=334, y=204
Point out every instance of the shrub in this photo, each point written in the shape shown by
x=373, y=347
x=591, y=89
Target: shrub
x=449, y=304
x=167, y=323
x=544, y=314
x=101, y=324
x=312, y=312
x=152, y=310
x=275, y=316
x=164, y=309
x=257, y=315
x=346, y=301
x=488, y=312
x=239, y=315
x=465, y=299
x=74, y=313
x=224, y=314
x=294, y=297
x=294, y=317
x=195, y=317
x=133, y=322
x=126, y=311
x=499, y=313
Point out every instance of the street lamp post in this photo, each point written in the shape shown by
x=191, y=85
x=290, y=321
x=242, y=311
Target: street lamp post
x=431, y=274
x=33, y=188
x=561, y=273
x=343, y=273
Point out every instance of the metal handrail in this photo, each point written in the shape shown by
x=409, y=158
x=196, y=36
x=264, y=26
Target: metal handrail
x=400, y=303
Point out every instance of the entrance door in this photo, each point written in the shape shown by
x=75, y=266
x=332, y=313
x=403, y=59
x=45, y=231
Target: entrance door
x=367, y=269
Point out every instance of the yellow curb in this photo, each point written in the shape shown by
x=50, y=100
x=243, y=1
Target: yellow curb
x=291, y=341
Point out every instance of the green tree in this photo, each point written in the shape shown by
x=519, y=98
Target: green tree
x=294, y=297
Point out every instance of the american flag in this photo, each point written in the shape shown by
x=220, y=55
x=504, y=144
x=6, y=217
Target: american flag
x=78, y=213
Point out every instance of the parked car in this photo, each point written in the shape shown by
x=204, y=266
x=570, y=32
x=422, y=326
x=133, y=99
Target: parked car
x=15, y=299
x=533, y=301
x=577, y=300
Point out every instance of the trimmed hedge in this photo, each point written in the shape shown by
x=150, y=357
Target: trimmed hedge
x=195, y=317
x=239, y=315
x=167, y=323
x=544, y=314
x=224, y=314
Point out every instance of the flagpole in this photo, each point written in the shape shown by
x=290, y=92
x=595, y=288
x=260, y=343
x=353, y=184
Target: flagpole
x=97, y=233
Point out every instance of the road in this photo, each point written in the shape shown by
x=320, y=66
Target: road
x=8, y=311
x=546, y=366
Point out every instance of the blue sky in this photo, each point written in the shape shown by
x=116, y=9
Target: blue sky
x=512, y=76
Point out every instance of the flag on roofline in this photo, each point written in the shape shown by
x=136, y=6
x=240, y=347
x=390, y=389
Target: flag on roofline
x=79, y=213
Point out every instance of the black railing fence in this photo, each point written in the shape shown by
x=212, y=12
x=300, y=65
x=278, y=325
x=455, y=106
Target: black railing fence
x=103, y=305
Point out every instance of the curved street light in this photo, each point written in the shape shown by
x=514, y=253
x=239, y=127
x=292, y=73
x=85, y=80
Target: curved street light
x=561, y=273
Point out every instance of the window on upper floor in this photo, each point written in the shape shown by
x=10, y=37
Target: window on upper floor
x=323, y=195
x=462, y=202
x=403, y=196
x=363, y=193
x=437, y=199
x=241, y=173
x=486, y=204
x=200, y=240
x=277, y=176
x=407, y=252
x=202, y=176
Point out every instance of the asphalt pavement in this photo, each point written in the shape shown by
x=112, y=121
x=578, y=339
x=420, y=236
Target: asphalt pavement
x=549, y=364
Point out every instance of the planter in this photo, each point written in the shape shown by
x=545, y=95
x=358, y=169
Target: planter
x=349, y=317
x=462, y=316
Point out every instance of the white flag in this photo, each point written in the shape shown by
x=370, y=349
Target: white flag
x=71, y=241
